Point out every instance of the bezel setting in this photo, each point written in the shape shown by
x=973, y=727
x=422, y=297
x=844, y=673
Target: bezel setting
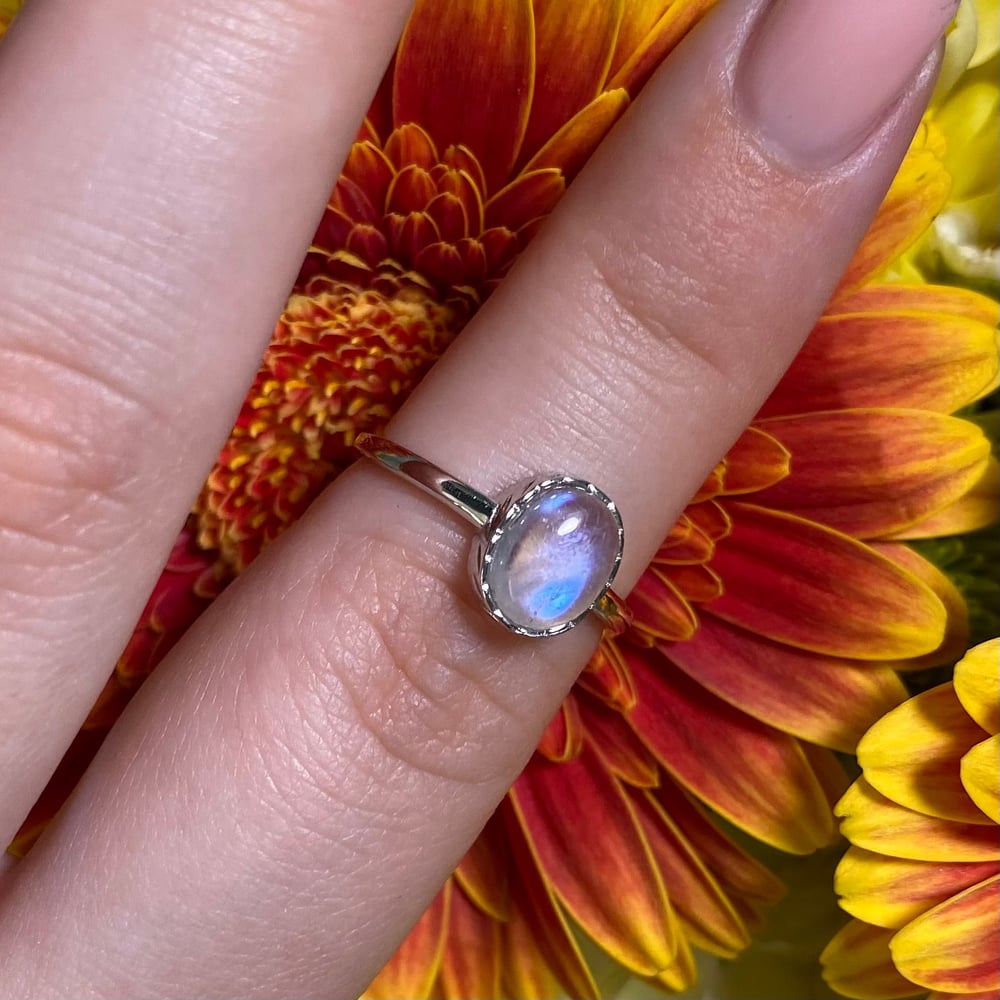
x=508, y=511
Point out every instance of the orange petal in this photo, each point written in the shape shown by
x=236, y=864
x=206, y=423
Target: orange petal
x=484, y=872
x=977, y=684
x=978, y=508
x=875, y=472
x=539, y=946
x=659, y=610
x=913, y=755
x=890, y=892
x=470, y=965
x=465, y=73
x=956, y=636
x=706, y=915
x=926, y=362
x=639, y=20
x=672, y=25
x=755, y=776
x=956, y=946
x=573, y=45
x=607, y=677
x=739, y=874
x=563, y=736
x=615, y=741
x=412, y=970
x=943, y=300
x=569, y=148
x=529, y=196
x=979, y=777
x=694, y=581
x=876, y=823
x=755, y=461
x=917, y=194
x=858, y=963
x=589, y=846
x=822, y=699
x=980, y=995
x=800, y=583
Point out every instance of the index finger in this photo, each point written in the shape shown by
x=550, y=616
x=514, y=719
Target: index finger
x=164, y=164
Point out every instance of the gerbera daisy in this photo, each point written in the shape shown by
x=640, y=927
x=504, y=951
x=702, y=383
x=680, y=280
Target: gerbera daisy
x=771, y=622
x=921, y=876
x=965, y=238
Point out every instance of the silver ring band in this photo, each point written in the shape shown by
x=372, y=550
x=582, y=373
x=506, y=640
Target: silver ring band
x=546, y=553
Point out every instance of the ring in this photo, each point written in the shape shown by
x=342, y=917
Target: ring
x=547, y=552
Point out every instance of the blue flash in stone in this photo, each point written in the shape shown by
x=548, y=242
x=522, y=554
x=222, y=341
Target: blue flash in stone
x=554, y=559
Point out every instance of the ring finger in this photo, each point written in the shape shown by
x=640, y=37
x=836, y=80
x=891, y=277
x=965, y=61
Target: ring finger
x=328, y=732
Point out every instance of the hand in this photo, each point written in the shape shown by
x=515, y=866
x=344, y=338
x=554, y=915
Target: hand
x=286, y=794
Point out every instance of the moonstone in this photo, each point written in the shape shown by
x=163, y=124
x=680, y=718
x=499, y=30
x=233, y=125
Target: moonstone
x=553, y=560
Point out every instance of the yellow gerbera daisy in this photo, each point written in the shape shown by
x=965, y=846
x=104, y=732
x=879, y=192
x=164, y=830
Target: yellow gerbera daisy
x=921, y=876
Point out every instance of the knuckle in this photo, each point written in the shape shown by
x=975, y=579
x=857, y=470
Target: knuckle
x=395, y=693
x=659, y=308
x=68, y=441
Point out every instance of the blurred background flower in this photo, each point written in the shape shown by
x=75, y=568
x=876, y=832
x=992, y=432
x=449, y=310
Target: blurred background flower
x=772, y=623
x=921, y=875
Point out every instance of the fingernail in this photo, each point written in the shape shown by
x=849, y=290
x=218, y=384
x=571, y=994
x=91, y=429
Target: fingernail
x=819, y=76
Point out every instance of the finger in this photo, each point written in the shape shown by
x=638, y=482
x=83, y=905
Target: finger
x=164, y=166
x=349, y=717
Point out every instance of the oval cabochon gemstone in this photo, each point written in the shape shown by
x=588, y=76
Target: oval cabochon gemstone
x=554, y=559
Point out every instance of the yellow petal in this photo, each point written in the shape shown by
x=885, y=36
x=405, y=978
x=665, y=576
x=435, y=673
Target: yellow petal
x=954, y=947
x=977, y=684
x=857, y=963
x=913, y=755
x=979, y=776
x=876, y=823
x=890, y=892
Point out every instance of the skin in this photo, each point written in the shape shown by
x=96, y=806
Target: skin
x=284, y=797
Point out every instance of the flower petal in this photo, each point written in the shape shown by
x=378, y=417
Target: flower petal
x=540, y=949
x=979, y=777
x=978, y=508
x=876, y=823
x=483, y=874
x=942, y=300
x=858, y=963
x=569, y=148
x=822, y=699
x=659, y=610
x=755, y=461
x=470, y=965
x=677, y=19
x=875, y=472
x=779, y=571
x=737, y=872
x=573, y=45
x=706, y=915
x=531, y=195
x=755, y=776
x=555, y=804
x=465, y=73
x=913, y=755
x=615, y=741
x=928, y=362
x=917, y=194
x=890, y=892
x=977, y=684
x=955, y=946
x=412, y=970
x=956, y=636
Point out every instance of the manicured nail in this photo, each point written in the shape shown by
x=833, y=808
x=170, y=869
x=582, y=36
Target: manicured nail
x=819, y=76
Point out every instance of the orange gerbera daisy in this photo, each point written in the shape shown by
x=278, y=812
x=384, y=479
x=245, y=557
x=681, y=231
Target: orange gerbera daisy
x=769, y=625
x=923, y=871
